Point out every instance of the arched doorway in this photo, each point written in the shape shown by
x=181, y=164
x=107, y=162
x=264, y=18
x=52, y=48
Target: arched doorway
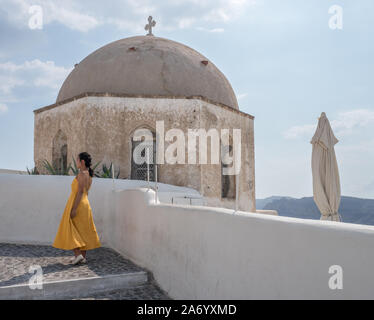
x=227, y=181
x=141, y=150
x=60, y=151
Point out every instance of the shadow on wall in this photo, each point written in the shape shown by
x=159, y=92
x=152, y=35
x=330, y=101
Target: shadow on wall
x=214, y=253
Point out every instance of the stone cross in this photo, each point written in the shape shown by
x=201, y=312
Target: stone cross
x=151, y=23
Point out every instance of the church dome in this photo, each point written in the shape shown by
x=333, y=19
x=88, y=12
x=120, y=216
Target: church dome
x=149, y=66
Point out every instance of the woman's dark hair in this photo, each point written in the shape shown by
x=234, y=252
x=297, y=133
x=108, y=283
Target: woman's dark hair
x=87, y=161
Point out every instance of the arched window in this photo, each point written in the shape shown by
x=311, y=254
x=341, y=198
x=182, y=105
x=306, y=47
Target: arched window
x=60, y=151
x=227, y=181
x=141, y=151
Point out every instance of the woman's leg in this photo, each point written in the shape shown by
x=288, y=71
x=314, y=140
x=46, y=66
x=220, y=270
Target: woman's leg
x=77, y=252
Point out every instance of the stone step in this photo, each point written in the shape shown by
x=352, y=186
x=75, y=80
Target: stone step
x=105, y=271
x=75, y=288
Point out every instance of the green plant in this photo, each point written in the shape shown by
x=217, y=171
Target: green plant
x=54, y=170
x=33, y=171
x=75, y=169
x=95, y=166
x=107, y=172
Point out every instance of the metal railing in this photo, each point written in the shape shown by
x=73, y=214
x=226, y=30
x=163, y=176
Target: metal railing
x=185, y=197
x=155, y=188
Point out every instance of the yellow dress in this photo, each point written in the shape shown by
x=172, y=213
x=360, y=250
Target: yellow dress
x=80, y=231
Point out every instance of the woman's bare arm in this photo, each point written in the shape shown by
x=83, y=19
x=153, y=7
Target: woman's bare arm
x=78, y=196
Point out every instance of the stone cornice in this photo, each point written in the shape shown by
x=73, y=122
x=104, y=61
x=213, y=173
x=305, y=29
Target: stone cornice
x=92, y=94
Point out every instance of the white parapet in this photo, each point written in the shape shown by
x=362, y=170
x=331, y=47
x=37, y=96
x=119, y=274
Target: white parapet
x=12, y=171
x=199, y=252
x=270, y=212
x=213, y=253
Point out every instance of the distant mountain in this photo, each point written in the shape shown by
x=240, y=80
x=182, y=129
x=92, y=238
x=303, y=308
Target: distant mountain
x=352, y=210
x=261, y=203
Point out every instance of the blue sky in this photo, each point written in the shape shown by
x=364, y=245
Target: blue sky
x=284, y=62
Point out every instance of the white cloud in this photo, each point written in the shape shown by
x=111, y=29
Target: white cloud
x=8, y=83
x=130, y=15
x=70, y=18
x=346, y=123
x=30, y=74
x=36, y=72
x=299, y=131
x=177, y=14
x=227, y=10
x=217, y=30
x=186, y=22
x=363, y=147
x=214, y=30
x=69, y=13
x=141, y=7
x=3, y=108
x=242, y=96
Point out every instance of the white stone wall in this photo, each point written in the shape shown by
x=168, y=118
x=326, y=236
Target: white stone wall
x=13, y=171
x=212, y=253
x=200, y=252
x=31, y=206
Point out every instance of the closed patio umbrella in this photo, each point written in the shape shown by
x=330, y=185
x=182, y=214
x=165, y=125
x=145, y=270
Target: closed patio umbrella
x=326, y=182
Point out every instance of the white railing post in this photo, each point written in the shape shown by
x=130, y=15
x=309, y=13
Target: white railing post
x=155, y=166
x=113, y=176
x=236, y=192
x=148, y=167
x=236, y=184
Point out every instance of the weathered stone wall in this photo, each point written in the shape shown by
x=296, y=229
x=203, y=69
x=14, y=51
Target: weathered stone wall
x=111, y=122
x=68, y=118
x=104, y=125
x=227, y=119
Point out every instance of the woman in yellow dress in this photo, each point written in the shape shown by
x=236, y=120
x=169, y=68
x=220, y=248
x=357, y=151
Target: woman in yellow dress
x=77, y=230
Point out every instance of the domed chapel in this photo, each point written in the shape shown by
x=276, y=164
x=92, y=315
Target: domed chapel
x=131, y=84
